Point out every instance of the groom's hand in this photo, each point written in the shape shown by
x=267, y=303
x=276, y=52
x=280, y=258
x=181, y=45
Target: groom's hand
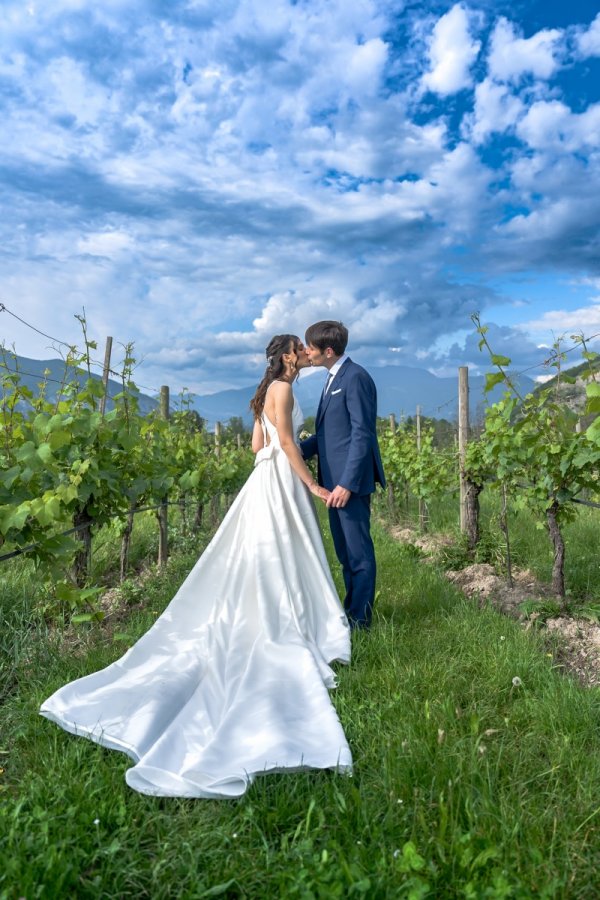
x=339, y=496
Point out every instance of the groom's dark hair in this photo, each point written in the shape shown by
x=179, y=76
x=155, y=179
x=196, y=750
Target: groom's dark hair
x=328, y=334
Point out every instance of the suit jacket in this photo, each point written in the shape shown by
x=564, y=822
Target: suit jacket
x=345, y=436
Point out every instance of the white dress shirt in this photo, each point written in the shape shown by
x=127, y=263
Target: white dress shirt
x=334, y=370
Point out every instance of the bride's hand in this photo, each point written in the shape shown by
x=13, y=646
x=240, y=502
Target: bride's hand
x=318, y=491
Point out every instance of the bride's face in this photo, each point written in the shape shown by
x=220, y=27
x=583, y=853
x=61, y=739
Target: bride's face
x=300, y=355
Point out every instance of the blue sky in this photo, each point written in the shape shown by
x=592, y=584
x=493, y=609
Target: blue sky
x=201, y=175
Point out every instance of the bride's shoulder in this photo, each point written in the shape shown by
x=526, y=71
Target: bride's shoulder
x=279, y=396
x=283, y=388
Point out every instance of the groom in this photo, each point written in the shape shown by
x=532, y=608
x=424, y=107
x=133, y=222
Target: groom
x=349, y=462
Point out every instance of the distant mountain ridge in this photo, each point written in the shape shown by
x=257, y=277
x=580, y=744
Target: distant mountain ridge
x=32, y=371
x=573, y=395
x=400, y=389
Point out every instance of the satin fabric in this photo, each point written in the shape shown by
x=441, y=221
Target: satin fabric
x=232, y=680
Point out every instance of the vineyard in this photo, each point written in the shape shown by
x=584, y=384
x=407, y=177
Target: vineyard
x=533, y=453
x=70, y=467
x=476, y=764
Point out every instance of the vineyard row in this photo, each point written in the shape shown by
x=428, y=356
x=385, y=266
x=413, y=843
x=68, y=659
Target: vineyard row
x=532, y=451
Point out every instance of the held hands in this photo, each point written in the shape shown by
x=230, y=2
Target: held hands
x=320, y=492
x=338, y=497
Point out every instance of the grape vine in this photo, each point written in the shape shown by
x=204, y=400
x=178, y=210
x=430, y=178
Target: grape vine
x=67, y=469
x=531, y=450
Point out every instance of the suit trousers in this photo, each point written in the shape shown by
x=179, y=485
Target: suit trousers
x=350, y=528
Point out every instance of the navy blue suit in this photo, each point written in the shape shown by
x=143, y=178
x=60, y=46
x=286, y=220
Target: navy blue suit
x=348, y=454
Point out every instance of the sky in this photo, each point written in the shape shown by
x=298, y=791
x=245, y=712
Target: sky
x=198, y=176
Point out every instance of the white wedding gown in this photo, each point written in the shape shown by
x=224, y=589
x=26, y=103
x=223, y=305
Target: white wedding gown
x=232, y=680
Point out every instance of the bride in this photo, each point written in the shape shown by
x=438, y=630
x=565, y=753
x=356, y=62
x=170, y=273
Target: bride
x=232, y=679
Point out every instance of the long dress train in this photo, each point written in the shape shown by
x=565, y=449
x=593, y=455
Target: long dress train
x=232, y=679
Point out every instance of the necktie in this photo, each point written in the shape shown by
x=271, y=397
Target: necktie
x=324, y=393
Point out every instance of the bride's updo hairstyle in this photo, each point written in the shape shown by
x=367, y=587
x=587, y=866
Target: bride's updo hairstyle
x=278, y=345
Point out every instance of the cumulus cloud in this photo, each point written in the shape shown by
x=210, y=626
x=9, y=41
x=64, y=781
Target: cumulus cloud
x=588, y=40
x=504, y=340
x=452, y=51
x=497, y=110
x=512, y=56
x=550, y=125
x=584, y=319
x=564, y=229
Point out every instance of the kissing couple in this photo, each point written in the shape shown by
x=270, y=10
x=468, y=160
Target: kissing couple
x=232, y=680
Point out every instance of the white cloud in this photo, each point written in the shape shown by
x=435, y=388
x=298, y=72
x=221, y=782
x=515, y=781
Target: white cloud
x=377, y=142
x=550, y=125
x=105, y=243
x=293, y=311
x=371, y=320
x=72, y=92
x=588, y=281
x=512, y=56
x=456, y=184
x=452, y=51
x=496, y=111
x=551, y=221
x=588, y=42
x=365, y=67
x=563, y=321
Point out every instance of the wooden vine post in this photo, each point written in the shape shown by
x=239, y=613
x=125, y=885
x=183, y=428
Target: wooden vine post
x=82, y=520
x=463, y=438
x=469, y=491
x=390, y=486
x=105, y=373
x=215, y=501
x=422, y=505
x=163, y=510
x=83, y=557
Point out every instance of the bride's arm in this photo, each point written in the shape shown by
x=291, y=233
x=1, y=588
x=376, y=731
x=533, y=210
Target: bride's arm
x=284, y=401
x=258, y=438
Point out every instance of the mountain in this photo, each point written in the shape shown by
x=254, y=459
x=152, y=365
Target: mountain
x=32, y=375
x=399, y=390
x=572, y=393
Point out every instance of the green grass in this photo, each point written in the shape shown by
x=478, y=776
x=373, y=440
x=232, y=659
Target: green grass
x=465, y=784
